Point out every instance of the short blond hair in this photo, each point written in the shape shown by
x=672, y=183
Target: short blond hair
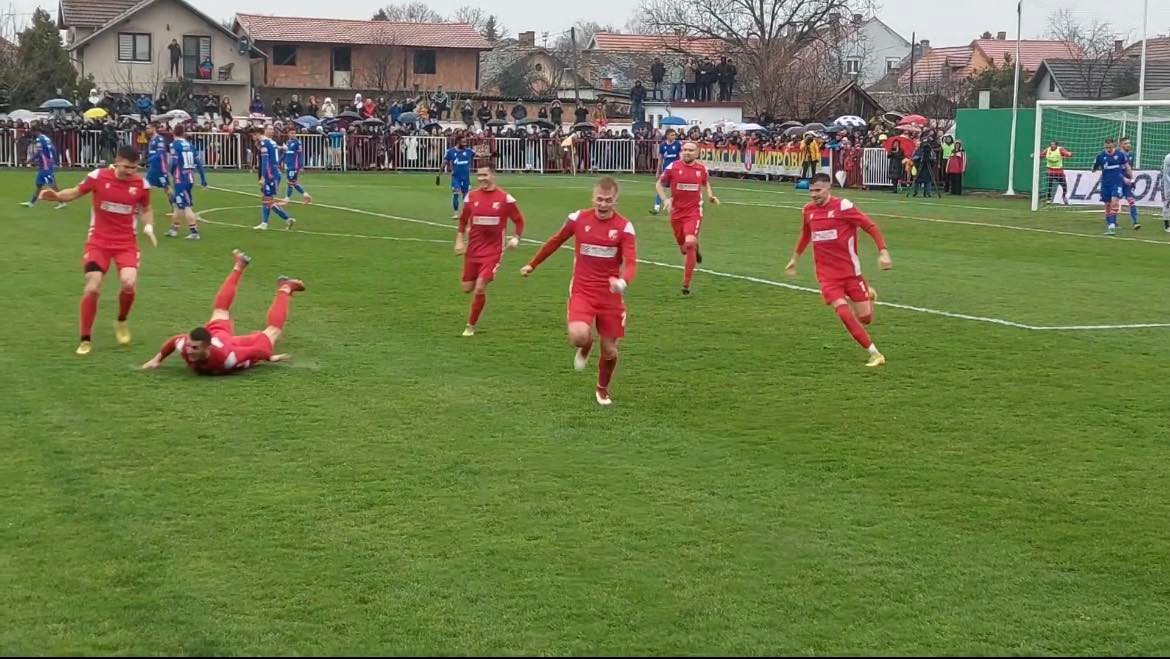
x=607, y=184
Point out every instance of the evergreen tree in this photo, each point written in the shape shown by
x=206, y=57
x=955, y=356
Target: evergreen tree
x=43, y=69
x=490, y=32
x=380, y=16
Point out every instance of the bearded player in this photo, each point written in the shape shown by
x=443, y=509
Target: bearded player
x=687, y=179
x=484, y=218
x=831, y=224
x=120, y=198
x=606, y=258
x=213, y=349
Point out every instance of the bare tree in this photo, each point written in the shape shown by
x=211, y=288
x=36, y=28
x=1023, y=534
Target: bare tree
x=408, y=12
x=585, y=32
x=1094, y=48
x=769, y=39
x=385, y=67
x=484, y=23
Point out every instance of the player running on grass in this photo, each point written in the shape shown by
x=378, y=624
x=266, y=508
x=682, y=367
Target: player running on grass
x=294, y=164
x=158, y=162
x=486, y=210
x=45, y=158
x=606, y=258
x=212, y=349
x=1127, y=183
x=270, y=182
x=688, y=179
x=120, y=199
x=459, y=159
x=185, y=161
x=1114, y=166
x=668, y=152
x=831, y=224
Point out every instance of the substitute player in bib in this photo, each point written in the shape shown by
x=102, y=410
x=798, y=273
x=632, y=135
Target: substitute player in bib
x=1113, y=165
x=668, y=152
x=486, y=211
x=831, y=224
x=120, y=199
x=688, y=180
x=213, y=349
x=45, y=158
x=606, y=258
x=158, y=162
x=459, y=159
x=1127, y=183
x=185, y=161
x=294, y=163
x=270, y=182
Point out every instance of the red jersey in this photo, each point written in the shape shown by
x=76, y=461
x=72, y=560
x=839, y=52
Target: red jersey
x=227, y=355
x=113, y=222
x=832, y=230
x=488, y=214
x=604, y=248
x=686, y=188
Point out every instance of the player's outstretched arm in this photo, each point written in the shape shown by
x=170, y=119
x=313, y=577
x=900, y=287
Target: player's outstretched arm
x=66, y=195
x=163, y=353
x=146, y=216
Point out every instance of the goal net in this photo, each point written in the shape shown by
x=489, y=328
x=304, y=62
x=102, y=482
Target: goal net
x=1080, y=129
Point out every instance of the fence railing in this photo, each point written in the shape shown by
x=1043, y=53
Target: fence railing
x=340, y=151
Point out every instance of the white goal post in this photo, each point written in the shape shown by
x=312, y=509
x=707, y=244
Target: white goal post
x=1082, y=127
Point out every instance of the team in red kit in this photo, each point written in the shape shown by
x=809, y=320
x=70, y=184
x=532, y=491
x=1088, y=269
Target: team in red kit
x=687, y=179
x=484, y=219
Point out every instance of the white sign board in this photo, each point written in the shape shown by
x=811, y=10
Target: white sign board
x=1085, y=188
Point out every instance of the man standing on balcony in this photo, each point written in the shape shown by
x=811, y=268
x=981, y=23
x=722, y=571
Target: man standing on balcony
x=176, y=59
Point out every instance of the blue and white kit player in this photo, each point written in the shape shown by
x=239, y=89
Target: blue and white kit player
x=270, y=182
x=45, y=158
x=157, y=162
x=294, y=162
x=185, y=161
x=668, y=152
x=459, y=158
x=1114, y=166
x=1127, y=183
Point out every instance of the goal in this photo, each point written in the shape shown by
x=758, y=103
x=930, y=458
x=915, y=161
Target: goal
x=1081, y=128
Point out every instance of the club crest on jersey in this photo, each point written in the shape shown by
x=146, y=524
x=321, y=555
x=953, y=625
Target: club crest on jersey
x=587, y=228
x=133, y=191
x=495, y=205
x=613, y=234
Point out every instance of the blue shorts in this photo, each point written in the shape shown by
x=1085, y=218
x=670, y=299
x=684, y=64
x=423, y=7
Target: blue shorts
x=1110, y=192
x=292, y=176
x=46, y=177
x=460, y=183
x=1127, y=191
x=270, y=187
x=182, y=198
x=156, y=179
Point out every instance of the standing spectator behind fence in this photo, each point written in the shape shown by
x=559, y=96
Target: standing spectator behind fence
x=441, y=104
x=257, y=105
x=692, y=78
x=675, y=77
x=313, y=108
x=637, y=101
x=725, y=73
x=519, y=111
x=295, y=109
x=468, y=114
x=556, y=112
x=657, y=73
x=956, y=165
x=484, y=114
x=328, y=108
x=948, y=147
x=501, y=113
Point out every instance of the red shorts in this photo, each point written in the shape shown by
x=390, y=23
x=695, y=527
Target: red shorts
x=685, y=226
x=101, y=257
x=851, y=288
x=608, y=315
x=484, y=269
x=254, y=347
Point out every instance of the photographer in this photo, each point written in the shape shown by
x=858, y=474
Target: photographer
x=926, y=159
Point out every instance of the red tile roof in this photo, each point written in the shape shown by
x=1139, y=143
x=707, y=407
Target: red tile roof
x=1157, y=48
x=643, y=43
x=362, y=33
x=936, y=60
x=1032, y=51
x=92, y=13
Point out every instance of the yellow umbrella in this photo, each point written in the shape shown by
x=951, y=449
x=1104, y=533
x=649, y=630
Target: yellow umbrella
x=96, y=113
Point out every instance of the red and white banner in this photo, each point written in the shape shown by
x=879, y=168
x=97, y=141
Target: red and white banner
x=1085, y=188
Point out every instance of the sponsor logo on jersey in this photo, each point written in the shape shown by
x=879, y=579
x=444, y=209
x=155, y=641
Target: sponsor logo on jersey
x=119, y=209
x=827, y=234
x=599, y=251
x=688, y=187
x=485, y=220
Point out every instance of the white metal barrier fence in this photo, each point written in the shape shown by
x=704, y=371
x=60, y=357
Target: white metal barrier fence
x=416, y=152
x=875, y=168
x=612, y=156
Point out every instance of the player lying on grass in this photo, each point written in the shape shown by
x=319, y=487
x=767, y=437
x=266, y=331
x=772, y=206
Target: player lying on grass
x=213, y=349
x=831, y=224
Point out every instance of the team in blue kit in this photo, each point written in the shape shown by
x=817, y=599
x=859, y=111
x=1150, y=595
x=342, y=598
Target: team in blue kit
x=45, y=158
x=1115, y=170
x=185, y=161
x=1127, y=183
x=270, y=182
x=668, y=152
x=158, y=162
x=459, y=159
x=294, y=162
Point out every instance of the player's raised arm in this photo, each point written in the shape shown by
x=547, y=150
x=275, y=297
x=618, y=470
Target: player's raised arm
x=163, y=352
x=551, y=245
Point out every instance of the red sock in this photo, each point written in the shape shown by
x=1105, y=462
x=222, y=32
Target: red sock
x=278, y=312
x=227, y=292
x=88, y=314
x=605, y=368
x=854, y=327
x=125, y=301
x=688, y=267
x=477, y=303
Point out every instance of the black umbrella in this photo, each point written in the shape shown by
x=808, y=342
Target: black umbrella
x=789, y=124
x=497, y=122
x=584, y=125
x=431, y=125
x=793, y=131
x=349, y=114
x=407, y=118
x=373, y=121
x=543, y=123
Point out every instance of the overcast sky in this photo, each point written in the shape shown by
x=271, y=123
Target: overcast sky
x=945, y=23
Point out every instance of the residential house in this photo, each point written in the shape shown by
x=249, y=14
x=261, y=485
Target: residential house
x=335, y=57
x=870, y=49
x=123, y=45
x=1156, y=48
x=518, y=67
x=614, y=62
x=933, y=65
x=1100, y=79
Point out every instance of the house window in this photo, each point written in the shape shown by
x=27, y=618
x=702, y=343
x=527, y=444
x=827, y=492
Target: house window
x=133, y=47
x=853, y=66
x=424, y=62
x=284, y=55
x=1051, y=84
x=891, y=64
x=195, y=51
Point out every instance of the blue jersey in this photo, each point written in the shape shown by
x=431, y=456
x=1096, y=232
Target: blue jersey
x=1112, y=168
x=669, y=152
x=269, y=159
x=460, y=160
x=293, y=159
x=46, y=154
x=156, y=158
x=184, y=163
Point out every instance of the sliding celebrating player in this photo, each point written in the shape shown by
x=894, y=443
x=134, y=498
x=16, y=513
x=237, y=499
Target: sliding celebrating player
x=688, y=180
x=120, y=198
x=212, y=349
x=486, y=210
x=604, y=265
x=831, y=225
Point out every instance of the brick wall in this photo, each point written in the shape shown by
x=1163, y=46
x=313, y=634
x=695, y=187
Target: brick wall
x=454, y=69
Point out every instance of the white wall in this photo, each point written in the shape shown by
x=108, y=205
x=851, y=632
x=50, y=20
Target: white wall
x=875, y=45
x=695, y=115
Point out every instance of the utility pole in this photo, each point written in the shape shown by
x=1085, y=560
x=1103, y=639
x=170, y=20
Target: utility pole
x=573, y=43
x=913, y=45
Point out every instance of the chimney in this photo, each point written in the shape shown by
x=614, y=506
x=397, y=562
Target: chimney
x=1118, y=45
x=1001, y=36
x=835, y=20
x=925, y=43
x=857, y=19
x=527, y=39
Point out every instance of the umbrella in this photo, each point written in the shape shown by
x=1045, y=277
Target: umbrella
x=181, y=115
x=349, y=114
x=789, y=124
x=836, y=128
x=913, y=120
x=497, y=123
x=308, y=121
x=373, y=121
x=892, y=117
x=22, y=115
x=96, y=113
x=747, y=127
x=850, y=121
x=408, y=118
x=908, y=145
x=432, y=125
x=543, y=123
x=814, y=127
x=793, y=131
x=585, y=125
x=56, y=104
x=672, y=121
